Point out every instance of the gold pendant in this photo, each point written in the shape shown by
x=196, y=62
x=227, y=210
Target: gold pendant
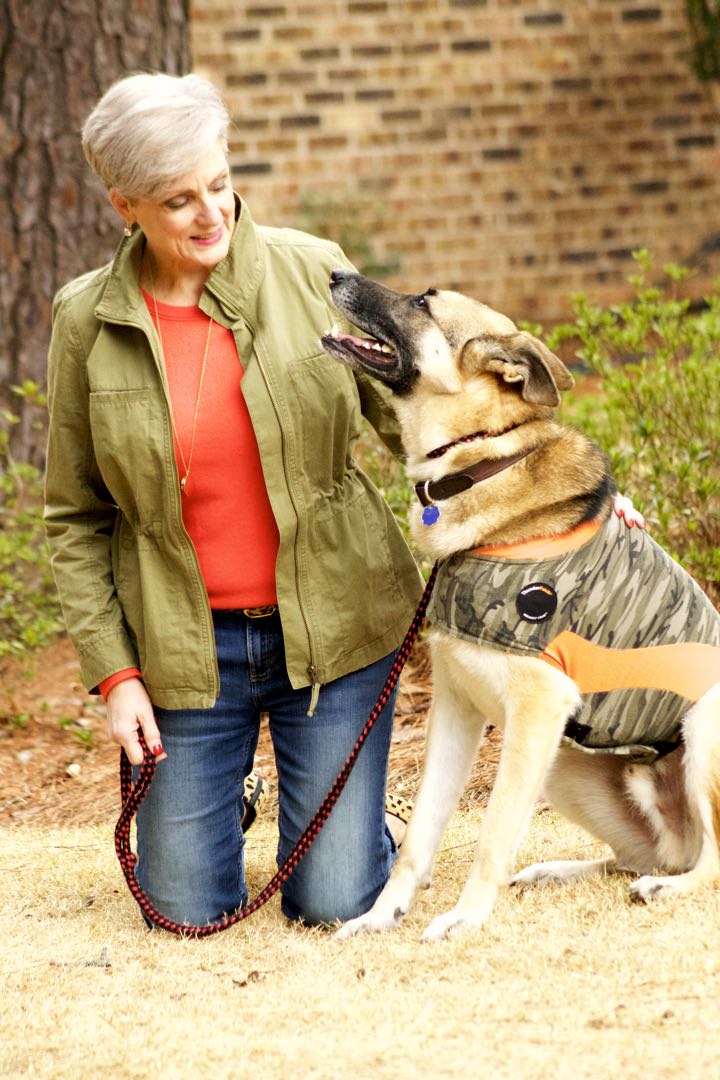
x=183, y=484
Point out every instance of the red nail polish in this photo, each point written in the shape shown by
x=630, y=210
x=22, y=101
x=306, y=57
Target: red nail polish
x=157, y=749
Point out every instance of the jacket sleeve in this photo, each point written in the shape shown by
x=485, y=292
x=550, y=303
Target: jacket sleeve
x=377, y=408
x=79, y=513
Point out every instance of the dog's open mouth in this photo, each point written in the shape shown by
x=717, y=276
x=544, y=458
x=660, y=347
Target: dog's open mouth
x=371, y=352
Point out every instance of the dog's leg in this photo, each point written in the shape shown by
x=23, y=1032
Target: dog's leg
x=701, y=764
x=454, y=731
x=591, y=790
x=557, y=870
x=538, y=705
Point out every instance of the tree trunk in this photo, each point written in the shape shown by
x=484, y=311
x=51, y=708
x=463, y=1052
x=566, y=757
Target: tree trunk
x=56, y=59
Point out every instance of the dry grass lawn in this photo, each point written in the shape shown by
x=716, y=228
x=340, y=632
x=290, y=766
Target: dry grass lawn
x=565, y=982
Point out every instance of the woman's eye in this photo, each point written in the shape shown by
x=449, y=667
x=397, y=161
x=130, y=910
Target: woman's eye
x=180, y=201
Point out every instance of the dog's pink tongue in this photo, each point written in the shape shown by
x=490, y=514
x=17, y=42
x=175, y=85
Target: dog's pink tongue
x=364, y=343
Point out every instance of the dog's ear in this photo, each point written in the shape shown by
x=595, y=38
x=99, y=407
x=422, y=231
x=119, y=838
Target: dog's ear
x=521, y=358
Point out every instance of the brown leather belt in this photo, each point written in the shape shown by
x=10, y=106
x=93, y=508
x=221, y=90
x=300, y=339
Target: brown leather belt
x=259, y=612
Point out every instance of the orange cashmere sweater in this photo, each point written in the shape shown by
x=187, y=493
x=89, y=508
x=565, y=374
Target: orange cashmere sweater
x=225, y=508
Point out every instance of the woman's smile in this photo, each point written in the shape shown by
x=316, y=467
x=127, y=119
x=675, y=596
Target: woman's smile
x=209, y=239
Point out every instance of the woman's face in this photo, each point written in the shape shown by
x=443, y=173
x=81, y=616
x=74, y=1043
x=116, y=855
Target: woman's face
x=188, y=229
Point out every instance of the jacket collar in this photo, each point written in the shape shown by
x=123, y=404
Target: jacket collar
x=232, y=285
x=122, y=300
x=236, y=280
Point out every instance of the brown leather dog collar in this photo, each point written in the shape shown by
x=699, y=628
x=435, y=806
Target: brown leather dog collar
x=431, y=491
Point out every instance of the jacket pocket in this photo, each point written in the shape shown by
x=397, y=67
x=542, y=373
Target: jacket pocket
x=324, y=394
x=355, y=582
x=132, y=444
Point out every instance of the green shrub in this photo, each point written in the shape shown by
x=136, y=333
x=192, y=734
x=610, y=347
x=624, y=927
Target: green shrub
x=656, y=411
x=703, y=18
x=29, y=609
x=354, y=224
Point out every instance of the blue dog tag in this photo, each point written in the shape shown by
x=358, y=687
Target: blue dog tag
x=430, y=515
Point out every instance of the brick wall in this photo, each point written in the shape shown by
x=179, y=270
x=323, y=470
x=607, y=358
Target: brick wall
x=517, y=150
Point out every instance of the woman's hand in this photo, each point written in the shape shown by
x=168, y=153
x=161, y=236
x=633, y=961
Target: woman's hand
x=130, y=710
x=624, y=509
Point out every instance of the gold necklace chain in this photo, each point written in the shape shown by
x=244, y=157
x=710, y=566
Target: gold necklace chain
x=185, y=465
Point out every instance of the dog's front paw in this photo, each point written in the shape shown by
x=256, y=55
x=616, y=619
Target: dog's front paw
x=465, y=917
x=451, y=923
x=370, y=922
x=648, y=889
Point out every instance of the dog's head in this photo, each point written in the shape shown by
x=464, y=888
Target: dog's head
x=441, y=340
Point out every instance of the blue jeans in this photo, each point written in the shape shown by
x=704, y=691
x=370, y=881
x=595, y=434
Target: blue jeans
x=190, y=840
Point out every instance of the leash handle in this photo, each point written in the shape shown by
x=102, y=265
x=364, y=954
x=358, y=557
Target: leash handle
x=132, y=796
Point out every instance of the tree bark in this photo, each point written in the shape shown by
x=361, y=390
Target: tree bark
x=57, y=57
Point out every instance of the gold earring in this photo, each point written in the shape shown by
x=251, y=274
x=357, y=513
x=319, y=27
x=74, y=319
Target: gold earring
x=128, y=229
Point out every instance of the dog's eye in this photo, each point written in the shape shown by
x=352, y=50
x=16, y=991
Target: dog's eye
x=419, y=301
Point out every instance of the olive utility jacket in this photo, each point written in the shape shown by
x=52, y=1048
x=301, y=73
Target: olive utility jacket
x=126, y=571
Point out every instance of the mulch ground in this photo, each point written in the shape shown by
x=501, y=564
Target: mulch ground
x=57, y=767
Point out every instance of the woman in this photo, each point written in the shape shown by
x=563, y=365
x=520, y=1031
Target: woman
x=217, y=551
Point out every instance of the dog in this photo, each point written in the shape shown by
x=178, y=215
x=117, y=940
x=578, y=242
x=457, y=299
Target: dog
x=592, y=651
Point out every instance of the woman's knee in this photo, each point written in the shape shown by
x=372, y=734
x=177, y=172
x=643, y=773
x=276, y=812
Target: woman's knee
x=331, y=886
x=192, y=873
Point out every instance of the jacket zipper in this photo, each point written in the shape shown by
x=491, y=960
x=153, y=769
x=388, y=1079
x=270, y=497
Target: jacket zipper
x=311, y=668
x=315, y=694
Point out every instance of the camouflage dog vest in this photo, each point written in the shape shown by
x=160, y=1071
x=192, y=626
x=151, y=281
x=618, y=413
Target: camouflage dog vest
x=605, y=605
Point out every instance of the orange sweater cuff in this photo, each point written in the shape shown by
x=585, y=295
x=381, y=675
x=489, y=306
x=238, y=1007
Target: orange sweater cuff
x=120, y=676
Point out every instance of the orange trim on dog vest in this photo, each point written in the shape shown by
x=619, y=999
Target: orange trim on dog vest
x=686, y=668
x=543, y=547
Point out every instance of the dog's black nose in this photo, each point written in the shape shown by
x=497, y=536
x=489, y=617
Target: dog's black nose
x=339, y=275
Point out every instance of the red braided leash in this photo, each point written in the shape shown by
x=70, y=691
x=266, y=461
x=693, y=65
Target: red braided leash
x=131, y=797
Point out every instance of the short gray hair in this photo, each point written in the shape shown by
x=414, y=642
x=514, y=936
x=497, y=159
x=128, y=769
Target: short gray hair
x=149, y=129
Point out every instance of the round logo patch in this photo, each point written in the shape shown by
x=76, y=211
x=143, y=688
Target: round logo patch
x=536, y=602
